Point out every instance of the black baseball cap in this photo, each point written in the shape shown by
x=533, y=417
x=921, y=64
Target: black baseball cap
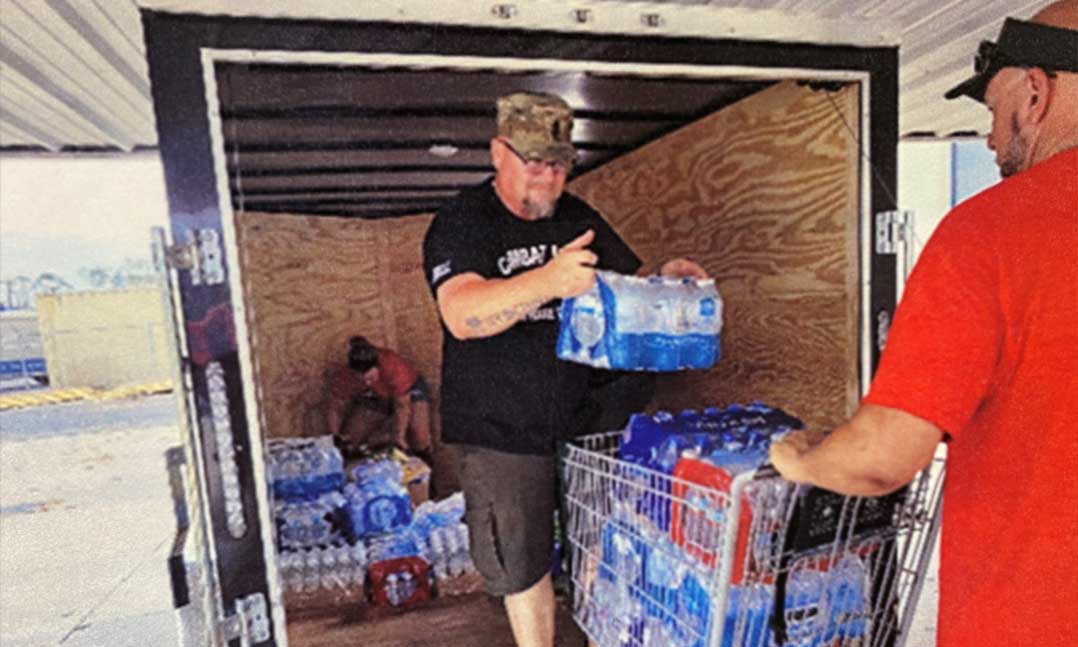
x=1020, y=44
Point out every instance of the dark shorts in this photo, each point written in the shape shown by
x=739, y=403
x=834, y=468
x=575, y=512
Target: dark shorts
x=509, y=508
x=420, y=390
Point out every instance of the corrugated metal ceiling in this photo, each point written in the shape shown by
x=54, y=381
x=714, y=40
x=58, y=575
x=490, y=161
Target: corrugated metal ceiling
x=74, y=71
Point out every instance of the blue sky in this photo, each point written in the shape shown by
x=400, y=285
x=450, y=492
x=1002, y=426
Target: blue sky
x=60, y=213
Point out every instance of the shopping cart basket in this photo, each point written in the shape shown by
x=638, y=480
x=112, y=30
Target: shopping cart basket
x=701, y=559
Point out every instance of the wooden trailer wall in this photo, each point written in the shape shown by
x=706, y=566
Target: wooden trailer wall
x=763, y=193
x=312, y=282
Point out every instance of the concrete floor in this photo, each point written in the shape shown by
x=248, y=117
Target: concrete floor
x=86, y=523
x=85, y=526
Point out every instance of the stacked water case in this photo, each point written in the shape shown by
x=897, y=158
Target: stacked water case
x=345, y=535
x=642, y=324
x=679, y=535
x=306, y=476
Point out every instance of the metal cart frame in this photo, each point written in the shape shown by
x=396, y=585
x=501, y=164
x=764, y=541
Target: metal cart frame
x=770, y=562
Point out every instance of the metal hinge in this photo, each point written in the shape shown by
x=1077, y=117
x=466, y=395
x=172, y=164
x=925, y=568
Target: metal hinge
x=883, y=328
x=250, y=625
x=504, y=11
x=200, y=254
x=892, y=229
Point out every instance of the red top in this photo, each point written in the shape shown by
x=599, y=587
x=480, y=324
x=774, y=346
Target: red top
x=395, y=378
x=985, y=346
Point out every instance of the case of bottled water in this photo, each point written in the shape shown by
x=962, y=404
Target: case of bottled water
x=377, y=507
x=680, y=537
x=303, y=524
x=331, y=567
x=302, y=469
x=644, y=324
x=736, y=438
x=400, y=582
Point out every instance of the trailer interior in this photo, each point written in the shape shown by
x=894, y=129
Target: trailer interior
x=321, y=151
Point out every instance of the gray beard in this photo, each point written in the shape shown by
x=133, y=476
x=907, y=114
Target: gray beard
x=536, y=210
x=1014, y=158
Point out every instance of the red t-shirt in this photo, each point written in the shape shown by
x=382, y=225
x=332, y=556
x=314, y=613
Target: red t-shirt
x=395, y=378
x=985, y=346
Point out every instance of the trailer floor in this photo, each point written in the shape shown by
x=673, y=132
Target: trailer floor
x=473, y=619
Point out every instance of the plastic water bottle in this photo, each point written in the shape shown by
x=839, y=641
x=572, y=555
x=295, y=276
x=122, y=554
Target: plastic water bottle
x=627, y=559
x=803, y=598
x=329, y=568
x=290, y=565
x=748, y=612
x=439, y=560
x=606, y=616
x=659, y=350
x=699, y=323
x=588, y=320
x=393, y=589
x=459, y=557
x=312, y=572
x=598, y=616
x=359, y=564
x=465, y=548
x=846, y=599
x=694, y=602
x=628, y=309
x=408, y=585
x=657, y=634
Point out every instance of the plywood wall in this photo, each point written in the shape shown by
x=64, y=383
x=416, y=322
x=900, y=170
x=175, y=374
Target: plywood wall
x=764, y=195
x=313, y=282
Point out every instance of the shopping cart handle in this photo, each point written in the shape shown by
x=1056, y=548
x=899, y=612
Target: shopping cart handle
x=765, y=471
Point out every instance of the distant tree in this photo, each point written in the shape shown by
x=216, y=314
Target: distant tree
x=17, y=293
x=95, y=277
x=49, y=283
x=131, y=272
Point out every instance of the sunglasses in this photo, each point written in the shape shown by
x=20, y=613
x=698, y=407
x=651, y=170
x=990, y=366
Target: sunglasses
x=983, y=61
x=987, y=60
x=536, y=167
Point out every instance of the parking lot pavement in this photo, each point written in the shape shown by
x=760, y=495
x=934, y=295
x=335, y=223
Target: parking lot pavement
x=85, y=524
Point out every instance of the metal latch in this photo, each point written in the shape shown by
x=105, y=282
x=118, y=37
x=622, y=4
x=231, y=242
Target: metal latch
x=200, y=254
x=893, y=228
x=250, y=625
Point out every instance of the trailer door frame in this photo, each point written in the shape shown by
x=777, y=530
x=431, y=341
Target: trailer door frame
x=182, y=50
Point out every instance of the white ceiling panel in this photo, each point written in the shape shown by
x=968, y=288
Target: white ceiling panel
x=75, y=76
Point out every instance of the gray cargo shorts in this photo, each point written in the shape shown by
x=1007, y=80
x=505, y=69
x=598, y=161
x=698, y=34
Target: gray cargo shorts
x=509, y=508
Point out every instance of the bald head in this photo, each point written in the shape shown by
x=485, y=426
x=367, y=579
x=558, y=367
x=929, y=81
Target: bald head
x=1059, y=14
x=1035, y=105
x=1061, y=130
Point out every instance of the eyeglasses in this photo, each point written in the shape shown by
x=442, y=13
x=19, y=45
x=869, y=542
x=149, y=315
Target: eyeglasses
x=536, y=167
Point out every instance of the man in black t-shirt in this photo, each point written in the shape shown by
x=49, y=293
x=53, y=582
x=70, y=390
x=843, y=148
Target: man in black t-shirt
x=499, y=259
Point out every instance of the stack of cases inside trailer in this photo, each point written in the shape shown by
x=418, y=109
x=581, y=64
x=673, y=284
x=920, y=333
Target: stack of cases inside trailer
x=348, y=535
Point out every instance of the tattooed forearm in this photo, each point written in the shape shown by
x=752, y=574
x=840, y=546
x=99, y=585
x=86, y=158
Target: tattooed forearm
x=503, y=319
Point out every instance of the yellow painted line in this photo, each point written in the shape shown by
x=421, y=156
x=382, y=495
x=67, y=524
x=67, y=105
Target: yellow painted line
x=22, y=400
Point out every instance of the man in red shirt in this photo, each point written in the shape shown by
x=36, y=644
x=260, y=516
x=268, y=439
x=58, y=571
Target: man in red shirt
x=983, y=355
x=378, y=379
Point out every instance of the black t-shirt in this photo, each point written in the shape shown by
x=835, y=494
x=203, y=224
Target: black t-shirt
x=509, y=391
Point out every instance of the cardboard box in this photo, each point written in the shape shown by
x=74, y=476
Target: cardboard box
x=416, y=477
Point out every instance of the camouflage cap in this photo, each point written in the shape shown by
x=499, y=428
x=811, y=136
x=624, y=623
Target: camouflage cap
x=537, y=125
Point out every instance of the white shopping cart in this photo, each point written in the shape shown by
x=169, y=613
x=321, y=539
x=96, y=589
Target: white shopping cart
x=700, y=559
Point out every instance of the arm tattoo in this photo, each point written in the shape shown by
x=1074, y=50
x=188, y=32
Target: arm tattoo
x=509, y=316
